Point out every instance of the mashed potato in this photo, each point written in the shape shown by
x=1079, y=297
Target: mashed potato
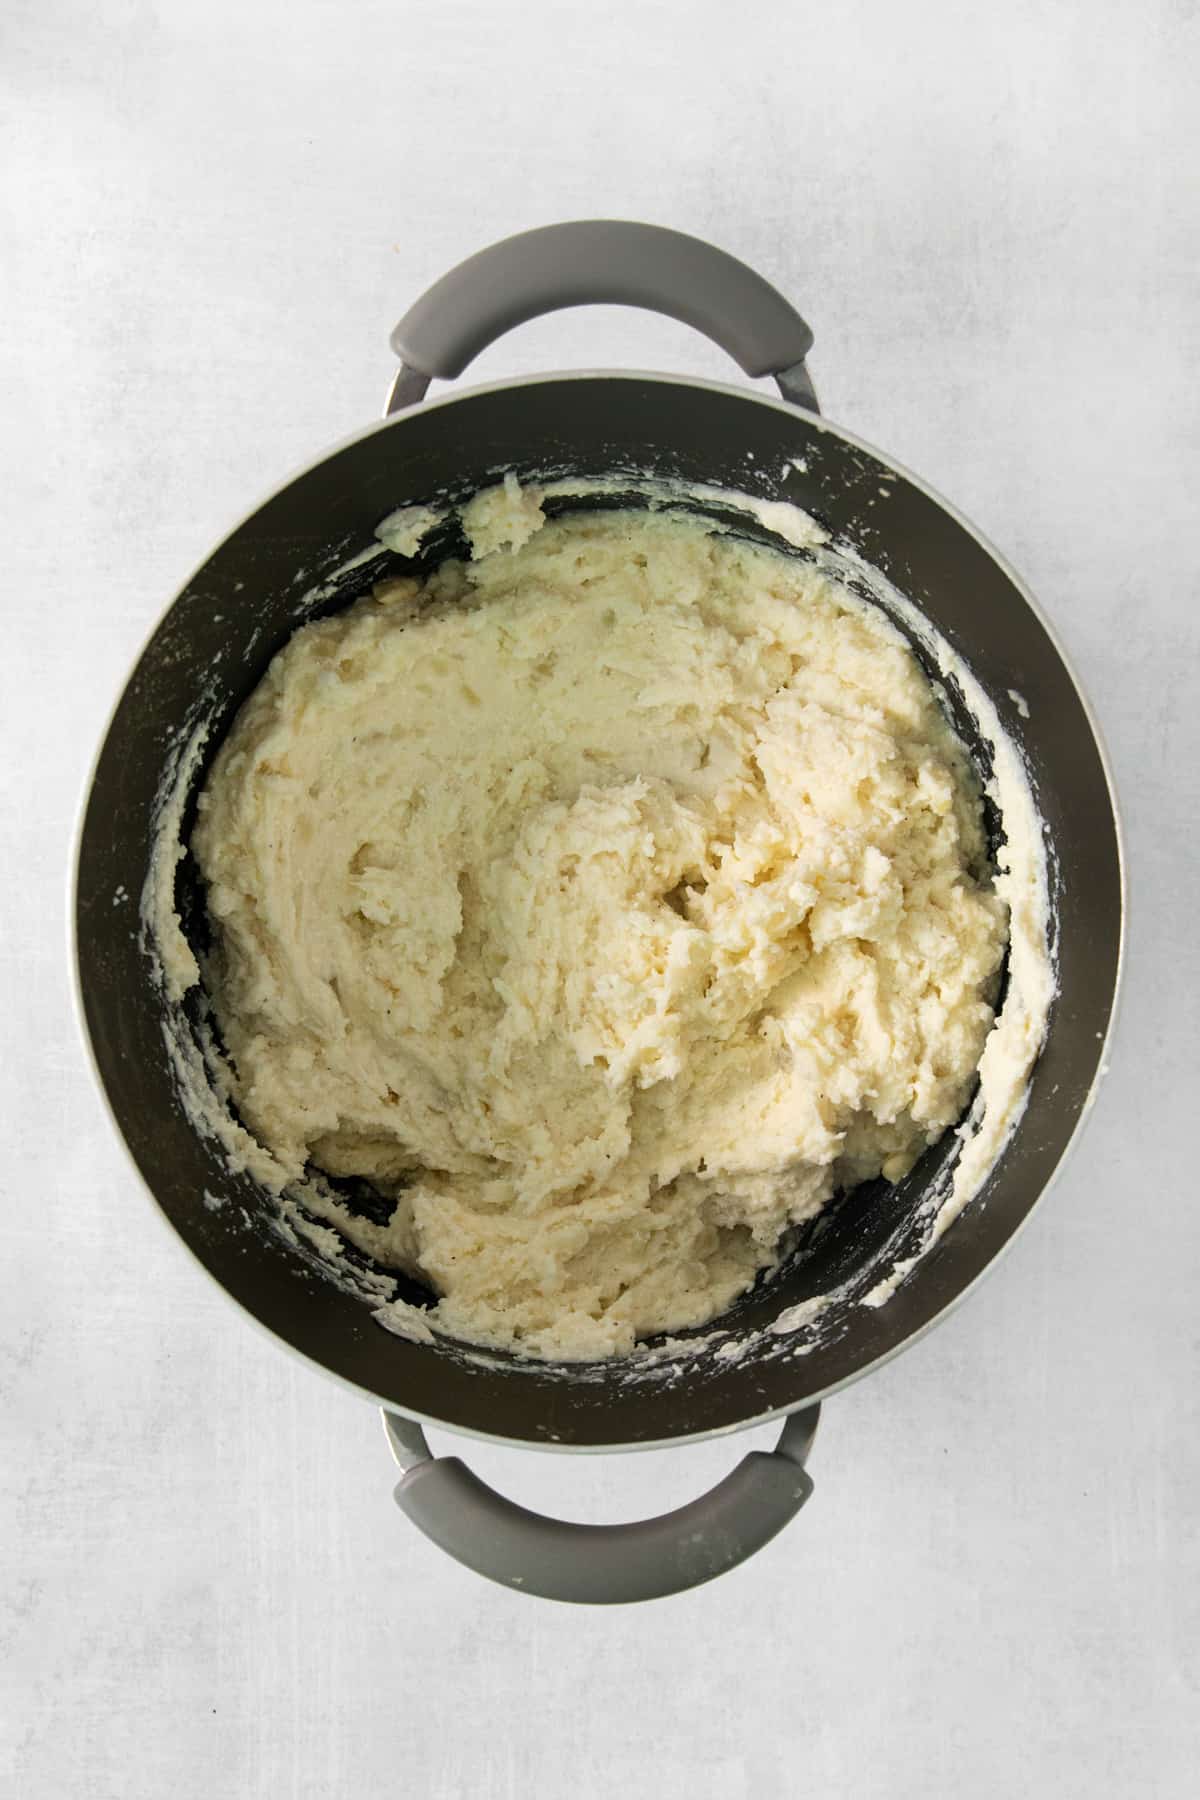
x=607, y=904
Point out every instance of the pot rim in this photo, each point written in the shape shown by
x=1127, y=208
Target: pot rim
x=814, y=420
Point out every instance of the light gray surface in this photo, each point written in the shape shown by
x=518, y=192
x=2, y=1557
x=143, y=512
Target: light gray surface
x=214, y=214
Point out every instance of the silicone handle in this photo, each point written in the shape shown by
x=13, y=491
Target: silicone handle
x=603, y=1564
x=601, y=262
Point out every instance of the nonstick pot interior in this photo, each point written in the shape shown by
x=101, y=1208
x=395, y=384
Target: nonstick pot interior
x=212, y=647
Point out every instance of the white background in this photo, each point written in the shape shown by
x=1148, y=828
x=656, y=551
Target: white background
x=213, y=215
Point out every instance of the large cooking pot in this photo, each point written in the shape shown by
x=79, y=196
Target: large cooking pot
x=211, y=648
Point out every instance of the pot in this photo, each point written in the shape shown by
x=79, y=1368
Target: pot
x=210, y=649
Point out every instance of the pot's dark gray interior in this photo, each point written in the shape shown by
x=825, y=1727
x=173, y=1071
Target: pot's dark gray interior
x=218, y=637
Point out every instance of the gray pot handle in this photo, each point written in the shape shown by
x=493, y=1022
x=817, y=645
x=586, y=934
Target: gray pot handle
x=603, y=1564
x=601, y=262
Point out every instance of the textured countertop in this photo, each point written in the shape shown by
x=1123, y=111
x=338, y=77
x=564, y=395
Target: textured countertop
x=213, y=216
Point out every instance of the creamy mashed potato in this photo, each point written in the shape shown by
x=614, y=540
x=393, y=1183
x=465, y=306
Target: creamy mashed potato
x=607, y=903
